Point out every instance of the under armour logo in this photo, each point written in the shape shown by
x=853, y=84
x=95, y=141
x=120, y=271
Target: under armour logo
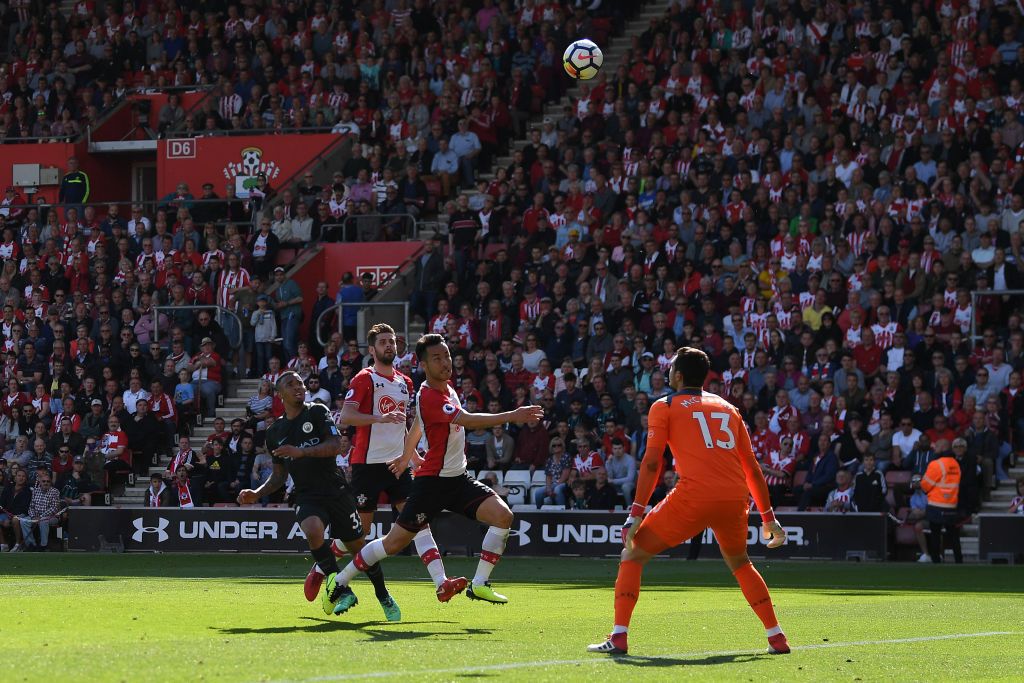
x=379, y=385
x=158, y=530
x=520, y=533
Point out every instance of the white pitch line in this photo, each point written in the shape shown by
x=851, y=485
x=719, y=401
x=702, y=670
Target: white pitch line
x=598, y=660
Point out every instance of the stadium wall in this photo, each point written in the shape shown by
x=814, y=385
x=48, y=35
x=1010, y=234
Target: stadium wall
x=540, y=533
x=236, y=159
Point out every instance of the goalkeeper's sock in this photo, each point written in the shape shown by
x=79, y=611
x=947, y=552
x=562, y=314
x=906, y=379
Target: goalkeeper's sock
x=756, y=592
x=491, y=549
x=370, y=554
x=627, y=592
x=325, y=559
x=426, y=548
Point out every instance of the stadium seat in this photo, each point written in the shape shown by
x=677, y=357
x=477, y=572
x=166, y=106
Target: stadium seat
x=516, y=494
x=905, y=535
x=520, y=477
x=540, y=478
x=523, y=507
x=225, y=505
x=787, y=508
x=552, y=508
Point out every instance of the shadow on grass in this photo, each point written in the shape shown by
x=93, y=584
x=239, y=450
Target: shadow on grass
x=711, y=660
x=317, y=625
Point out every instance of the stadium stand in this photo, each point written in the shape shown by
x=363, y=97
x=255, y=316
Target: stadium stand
x=825, y=198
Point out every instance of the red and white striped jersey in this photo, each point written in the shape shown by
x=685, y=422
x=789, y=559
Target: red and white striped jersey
x=231, y=280
x=884, y=336
x=777, y=461
x=446, y=441
x=375, y=394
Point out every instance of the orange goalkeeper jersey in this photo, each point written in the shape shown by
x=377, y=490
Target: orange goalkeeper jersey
x=711, y=447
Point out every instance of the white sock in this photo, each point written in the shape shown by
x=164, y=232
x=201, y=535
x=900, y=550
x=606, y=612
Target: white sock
x=773, y=631
x=371, y=553
x=619, y=629
x=426, y=548
x=316, y=568
x=490, y=552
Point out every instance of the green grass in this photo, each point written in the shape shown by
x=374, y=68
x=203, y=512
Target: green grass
x=74, y=617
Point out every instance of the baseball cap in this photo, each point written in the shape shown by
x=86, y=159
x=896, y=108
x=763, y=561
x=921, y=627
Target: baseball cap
x=206, y=340
x=279, y=269
x=96, y=402
x=647, y=354
x=79, y=458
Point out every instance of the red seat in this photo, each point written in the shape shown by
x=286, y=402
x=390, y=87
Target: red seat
x=905, y=535
x=897, y=478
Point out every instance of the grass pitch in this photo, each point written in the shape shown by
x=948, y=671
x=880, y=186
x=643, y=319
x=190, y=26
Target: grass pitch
x=74, y=617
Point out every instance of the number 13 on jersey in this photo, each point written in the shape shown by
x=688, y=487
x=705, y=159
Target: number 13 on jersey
x=728, y=442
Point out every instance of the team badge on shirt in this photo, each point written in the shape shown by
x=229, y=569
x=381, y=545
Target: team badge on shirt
x=350, y=394
x=449, y=409
x=307, y=427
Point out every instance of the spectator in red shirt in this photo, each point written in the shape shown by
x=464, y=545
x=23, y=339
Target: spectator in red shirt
x=207, y=366
x=868, y=355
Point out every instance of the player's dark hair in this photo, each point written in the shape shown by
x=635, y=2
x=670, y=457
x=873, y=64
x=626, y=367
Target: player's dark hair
x=425, y=343
x=379, y=328
x=283, y=377
x=693, y=365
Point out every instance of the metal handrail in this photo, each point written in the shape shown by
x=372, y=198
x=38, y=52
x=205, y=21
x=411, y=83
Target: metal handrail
x=341, y=305
x=978, y=293
x=220, y=310
x=407, y=218
x=180, y=134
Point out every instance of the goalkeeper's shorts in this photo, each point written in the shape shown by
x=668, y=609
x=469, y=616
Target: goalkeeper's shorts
x=675, y=520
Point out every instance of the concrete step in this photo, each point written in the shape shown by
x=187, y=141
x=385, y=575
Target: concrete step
x=969, y=546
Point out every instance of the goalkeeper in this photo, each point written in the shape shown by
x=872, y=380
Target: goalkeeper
x=717, y=475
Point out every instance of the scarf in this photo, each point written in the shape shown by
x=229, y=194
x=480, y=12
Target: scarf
x=184, y=495
x=154, y=496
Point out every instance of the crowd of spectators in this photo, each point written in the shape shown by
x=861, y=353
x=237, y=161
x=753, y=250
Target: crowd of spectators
x=99, y=384
x=811, y=193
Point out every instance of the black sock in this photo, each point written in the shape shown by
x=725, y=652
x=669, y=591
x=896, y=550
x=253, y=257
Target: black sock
x=325, y=558
x=376, y=576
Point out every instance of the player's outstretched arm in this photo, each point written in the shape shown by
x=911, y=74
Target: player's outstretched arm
x=650, y=468
x=521, y=415
x=758, y=487
x=351, y=416
x=276, y=480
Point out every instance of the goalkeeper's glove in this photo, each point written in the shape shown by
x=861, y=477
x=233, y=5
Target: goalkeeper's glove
x=636, y=513
x=771, y=529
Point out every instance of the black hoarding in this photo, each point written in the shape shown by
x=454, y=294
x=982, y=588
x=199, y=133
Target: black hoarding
x=547, y=533
x=1001, y=537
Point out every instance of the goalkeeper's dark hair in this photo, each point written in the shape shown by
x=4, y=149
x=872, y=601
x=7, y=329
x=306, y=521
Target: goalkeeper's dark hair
x=379, y=328
x=425, y=343
x=693, y=365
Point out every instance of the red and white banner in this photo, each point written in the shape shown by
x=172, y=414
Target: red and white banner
x=235, y=160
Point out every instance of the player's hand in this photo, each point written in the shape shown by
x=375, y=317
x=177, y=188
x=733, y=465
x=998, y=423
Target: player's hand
x=527, y=414
x=398, y=465
x=775, y=532
x=629, y=531
x=287, y=451
x=394, y=417
x=247, y=497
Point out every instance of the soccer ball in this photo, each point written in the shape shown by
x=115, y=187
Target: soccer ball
x=582, y=59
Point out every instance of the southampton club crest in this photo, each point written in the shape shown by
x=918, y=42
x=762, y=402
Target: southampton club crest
x=245, y=170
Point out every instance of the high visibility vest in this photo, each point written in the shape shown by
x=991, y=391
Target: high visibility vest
x=941, y=482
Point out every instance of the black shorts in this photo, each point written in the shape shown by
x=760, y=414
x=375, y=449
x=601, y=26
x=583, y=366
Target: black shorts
x=431, y=495
x=338, y=511
x=369, y=481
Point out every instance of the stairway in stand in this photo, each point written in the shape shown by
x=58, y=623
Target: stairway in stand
x=614, y=54
x=234, y=406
